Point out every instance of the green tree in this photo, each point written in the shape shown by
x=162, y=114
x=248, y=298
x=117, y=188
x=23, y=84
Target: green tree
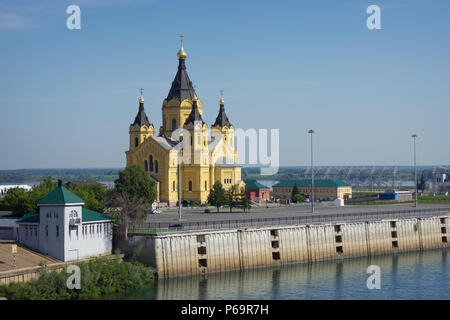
x=243, y=201
x=298, y=198
x=129, y=211
x=40, y=190
x=135, y=182
x=216, y=195
x=91, y=193
x=129, y=201
x=422, y=185
x=230, y=198
x=294, y=194
x=18, y=201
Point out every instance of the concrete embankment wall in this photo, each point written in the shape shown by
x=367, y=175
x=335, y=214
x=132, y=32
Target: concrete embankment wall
x=209, y=251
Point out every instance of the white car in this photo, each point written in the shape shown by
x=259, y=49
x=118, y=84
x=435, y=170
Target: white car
x=155, y=211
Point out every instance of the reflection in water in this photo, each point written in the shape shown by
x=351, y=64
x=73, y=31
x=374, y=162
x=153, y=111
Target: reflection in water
x=275, y=283
x=413, y=275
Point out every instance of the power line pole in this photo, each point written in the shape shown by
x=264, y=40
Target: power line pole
x=414, y=136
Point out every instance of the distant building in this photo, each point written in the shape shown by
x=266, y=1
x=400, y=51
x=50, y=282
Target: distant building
x=395, y=195
x=323, y=189
x=64, y=229
x=4, y=188
x=257, y=191
x=440, y=184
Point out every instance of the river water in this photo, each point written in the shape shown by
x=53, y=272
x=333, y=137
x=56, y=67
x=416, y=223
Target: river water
x=412, y=275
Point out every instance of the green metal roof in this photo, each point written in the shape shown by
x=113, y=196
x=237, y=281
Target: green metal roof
x=60, y=196
x=307, y=183
x=29, y=218
x=87, y=216
x=253, y=184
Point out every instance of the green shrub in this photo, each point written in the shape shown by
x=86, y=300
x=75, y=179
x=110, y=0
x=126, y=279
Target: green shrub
x=99, y=277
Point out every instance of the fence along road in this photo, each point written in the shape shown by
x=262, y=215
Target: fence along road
x=164, y=226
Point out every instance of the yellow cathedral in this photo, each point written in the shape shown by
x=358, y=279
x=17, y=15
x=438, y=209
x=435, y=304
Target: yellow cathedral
x=208, y=157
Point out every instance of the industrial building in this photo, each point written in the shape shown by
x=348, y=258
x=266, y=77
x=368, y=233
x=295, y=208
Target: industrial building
x=395, y=195
x=257, y=191
x=323, y=189
x=440, y=185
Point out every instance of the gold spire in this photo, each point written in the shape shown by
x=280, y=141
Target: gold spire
x=221, y=97
x=141, y=99
x=181, y=55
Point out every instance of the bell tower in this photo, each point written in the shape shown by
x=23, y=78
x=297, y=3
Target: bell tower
x=141, y=128
x=179, y=102
x=223, y=125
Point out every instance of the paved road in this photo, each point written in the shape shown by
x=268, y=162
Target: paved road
x=24, y=257
x=195, y=215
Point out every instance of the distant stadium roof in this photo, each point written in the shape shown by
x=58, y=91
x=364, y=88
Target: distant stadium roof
x=87, y=216
x=253, y=184
x=307, y=183
x=59, y=196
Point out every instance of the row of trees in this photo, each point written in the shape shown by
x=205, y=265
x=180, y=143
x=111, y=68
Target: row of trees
x=219, y=197
x=20, y=201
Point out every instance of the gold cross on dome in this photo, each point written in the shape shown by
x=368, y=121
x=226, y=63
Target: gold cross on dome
x=141, y=90
x=181, y=38
x=221, y=94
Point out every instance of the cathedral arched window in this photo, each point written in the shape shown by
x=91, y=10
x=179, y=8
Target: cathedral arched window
x=174, y=124
x=173, y=186
x=190, y=185
x=151, y=162
x=156, y=166
x=136, y=142
x=145, y=165
x=206, y=185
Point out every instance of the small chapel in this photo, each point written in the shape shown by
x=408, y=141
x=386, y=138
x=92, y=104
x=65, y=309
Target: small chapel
x=185, y=149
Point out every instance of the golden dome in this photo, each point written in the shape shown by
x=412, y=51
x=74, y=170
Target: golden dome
x=181, y=54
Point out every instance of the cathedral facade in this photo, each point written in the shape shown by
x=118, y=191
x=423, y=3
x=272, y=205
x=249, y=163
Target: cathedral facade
x=185, y=150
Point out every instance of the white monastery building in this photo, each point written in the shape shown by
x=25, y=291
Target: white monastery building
x=64, y=229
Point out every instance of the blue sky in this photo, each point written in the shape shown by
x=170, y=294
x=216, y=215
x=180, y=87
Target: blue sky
x=67, y=97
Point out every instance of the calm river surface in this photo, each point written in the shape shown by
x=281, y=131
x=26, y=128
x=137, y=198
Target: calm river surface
x=413, y=275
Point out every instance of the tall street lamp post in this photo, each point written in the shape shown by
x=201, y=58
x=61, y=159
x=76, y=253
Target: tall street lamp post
x=414, y=136
x=312, y=172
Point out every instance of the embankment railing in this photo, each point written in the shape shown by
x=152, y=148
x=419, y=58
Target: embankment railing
x=156, y=227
